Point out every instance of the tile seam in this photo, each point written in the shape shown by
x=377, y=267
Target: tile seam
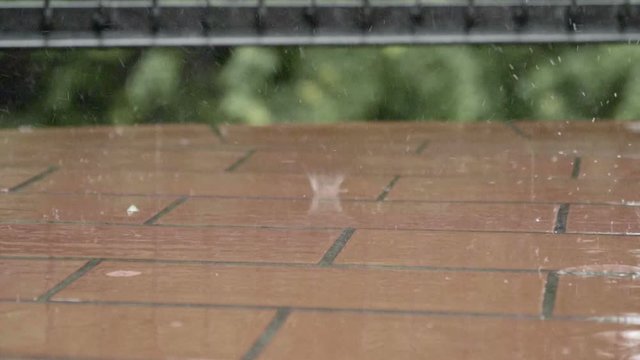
x=88, y=266
x=244, y=158
x=303, y=228
x=166, y=210
x=38, y=177
x=385, y=191
x=330, y=255
x=270, y=331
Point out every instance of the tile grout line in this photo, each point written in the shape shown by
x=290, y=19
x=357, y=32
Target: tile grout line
x=385, y=192
x=348, y=200
x=241, y=161
x=420, y=149
x=329, y=257
x=562, y=215
x=69, y=280
x=303, y=228
x=550, y=292
x=316, y=265
x=511, y=125
x=575, y=170
x=281, y=316
x=35, y=178
x=174, y=204
x=218, y=133
x=434, y=313
x=300, y=308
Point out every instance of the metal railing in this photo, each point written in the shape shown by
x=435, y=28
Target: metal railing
x=136, y=23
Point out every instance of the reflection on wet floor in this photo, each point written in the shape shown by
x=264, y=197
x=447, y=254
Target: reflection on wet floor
x=349, y=241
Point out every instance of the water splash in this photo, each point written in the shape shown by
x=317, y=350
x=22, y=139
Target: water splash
x=620, y=345
x=326, y=192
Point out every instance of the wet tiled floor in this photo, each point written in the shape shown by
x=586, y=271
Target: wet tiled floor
x=351, y=241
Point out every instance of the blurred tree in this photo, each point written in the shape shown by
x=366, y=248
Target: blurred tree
x=263, y=85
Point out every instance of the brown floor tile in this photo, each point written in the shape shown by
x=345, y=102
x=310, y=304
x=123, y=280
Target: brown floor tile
x=602, y=296
x=11, y=177
x=419, y=165
x=319, y=336
x=591, y=144
x=504, y=187
x=221, y=184
x=604, y=219
x=89, y=208
x=486, y=250
x=166, y=243
x=121, y=158
x=323, y=139
x=570, y=130
x=610, y=167
x=379, y=132
x=252, y=239
x=24, y=280
x=107, y=332
x=311, y=287
x=507, y=148
x=139, y=136
x=386, y=215
x=346, y=148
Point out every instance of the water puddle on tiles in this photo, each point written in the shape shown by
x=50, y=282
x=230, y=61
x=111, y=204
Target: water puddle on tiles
x=614, y=270
x=619, y=345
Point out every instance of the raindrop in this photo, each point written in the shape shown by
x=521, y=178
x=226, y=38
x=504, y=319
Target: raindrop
x=132, y=210
x=123, y=273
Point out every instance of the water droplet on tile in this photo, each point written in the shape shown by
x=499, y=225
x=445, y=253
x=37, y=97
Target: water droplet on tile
x=69, y=300
x=132, y=210
x=123, y=273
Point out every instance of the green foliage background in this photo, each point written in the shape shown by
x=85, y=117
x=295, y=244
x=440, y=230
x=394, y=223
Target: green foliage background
x=267, y=85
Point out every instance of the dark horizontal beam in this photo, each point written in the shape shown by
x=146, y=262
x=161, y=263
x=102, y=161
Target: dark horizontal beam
x=89, y=23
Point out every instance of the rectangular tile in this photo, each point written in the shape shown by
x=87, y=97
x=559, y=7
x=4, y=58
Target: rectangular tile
x=346, y=140
x=504, y=187
x=310, y=287
x=387, y=215
x=611, y=167
x=137, y=136
x=14, y=176
x=319, y=336
x=90, y=208
x=502, y=147
x=221, y=184
x=587, y=144
x=304, y=134
x=122, y=158
x=166, y=243
x=110, y=332
x=23, y=280
x=601, y=296
x=486, y=250
x=378, y=132
x=570, y=130
x=604, y=219
x=435, y=165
